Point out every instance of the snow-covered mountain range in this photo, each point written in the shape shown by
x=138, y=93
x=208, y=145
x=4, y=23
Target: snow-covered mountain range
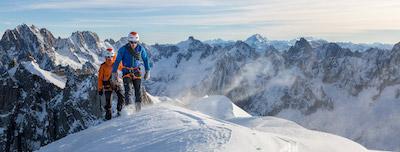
x=319, y=85
x=49, y=86
x=261, y=43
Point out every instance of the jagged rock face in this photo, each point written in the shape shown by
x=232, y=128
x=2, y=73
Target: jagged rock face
x=35, y=112
x=333, y=62
x=110, y=41
x=301, y=55
x=229, y=65
x=48, y=37
x=192, y=46
x=88, y=68
x=86, y=39
x=167, y=51
x=301, y=49
x=28, y=121
x=332, y=50
x=82, y=47
x=40, y=112
x=121, y=42
x=27, y=43
x=241, y=51
x=394, y=59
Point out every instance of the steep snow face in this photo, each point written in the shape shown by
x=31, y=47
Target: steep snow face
x=47, y=75
x=166, y=127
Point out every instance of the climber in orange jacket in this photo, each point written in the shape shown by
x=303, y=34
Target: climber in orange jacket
x=104, y=83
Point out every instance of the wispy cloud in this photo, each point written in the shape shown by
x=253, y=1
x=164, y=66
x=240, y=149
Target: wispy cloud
x=88, y=4
x=279, y=19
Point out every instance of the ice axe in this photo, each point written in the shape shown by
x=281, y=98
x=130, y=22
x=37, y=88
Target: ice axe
x=99, y=98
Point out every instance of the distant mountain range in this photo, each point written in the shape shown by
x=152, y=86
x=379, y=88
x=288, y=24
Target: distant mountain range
x=261, y=43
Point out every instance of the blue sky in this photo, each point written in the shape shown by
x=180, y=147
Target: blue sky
x=174, y=20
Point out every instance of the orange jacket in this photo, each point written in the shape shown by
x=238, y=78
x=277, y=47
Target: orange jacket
x=105, y=72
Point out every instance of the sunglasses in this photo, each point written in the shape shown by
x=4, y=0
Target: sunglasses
x=133, y=42
x=108, y=57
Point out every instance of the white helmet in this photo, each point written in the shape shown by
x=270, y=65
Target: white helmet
x=109, y=52
x=133, y=37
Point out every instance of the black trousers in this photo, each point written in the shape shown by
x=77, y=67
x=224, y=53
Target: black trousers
x=128, y=85
x=108, y=92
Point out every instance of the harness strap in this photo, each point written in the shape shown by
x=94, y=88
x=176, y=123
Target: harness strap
x=107, y=85
x=133, y=73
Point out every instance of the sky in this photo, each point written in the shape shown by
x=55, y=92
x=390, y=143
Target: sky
x=161, y=21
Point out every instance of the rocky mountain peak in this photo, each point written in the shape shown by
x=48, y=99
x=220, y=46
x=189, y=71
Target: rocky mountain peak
x=26, y=42
x=302, y=43
x=190, y=43
x=301, y=48
x=85, y=37
x=241, y=50
x=256, y=38
x=241, y=44
x=48, y=37
x=23, y=27
x=258, y=42
x=395, y=55
x=396, y=47
x=334, y=50
x=191, y=38
x=110, y=41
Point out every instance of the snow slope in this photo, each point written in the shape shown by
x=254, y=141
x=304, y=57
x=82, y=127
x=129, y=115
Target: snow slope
x=34, y=68
x=167, y=127
x=218, y=106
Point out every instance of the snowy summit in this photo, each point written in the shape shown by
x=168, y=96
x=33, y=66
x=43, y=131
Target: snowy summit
x=168, y=127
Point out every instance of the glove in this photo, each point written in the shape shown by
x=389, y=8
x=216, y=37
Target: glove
x=101, y=92
x=114, y=77
x=147, y=75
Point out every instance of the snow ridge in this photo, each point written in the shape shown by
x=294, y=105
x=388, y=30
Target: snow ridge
x=165, y=127
x=34, y=68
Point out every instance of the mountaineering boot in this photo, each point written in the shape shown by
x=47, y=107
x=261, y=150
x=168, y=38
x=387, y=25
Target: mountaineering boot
x=108, y=114
x=138, y=106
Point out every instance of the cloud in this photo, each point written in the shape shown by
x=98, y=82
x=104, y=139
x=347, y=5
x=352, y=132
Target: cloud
x=90, y=4
x=279, y=19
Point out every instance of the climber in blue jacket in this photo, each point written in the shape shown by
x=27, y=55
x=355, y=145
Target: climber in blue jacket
x=130, y=55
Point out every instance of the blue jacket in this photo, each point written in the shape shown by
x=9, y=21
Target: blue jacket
x=128, y=60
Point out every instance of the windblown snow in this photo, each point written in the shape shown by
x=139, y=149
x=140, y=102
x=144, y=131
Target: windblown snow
x=213, y=124
x=34, y=68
